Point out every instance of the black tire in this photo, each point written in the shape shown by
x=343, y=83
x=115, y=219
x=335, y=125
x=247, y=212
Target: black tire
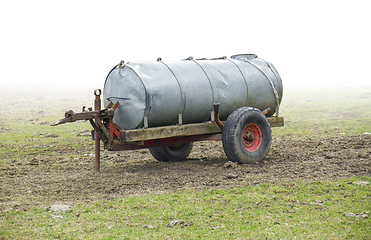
x=172, y=153
x=247, y=135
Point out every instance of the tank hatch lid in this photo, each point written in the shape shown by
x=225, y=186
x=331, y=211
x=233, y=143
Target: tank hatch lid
x=244, y=56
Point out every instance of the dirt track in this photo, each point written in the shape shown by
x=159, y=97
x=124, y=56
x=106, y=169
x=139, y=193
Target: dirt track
x=59, y=178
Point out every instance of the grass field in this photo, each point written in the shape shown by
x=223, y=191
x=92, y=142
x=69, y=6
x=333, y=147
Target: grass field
x=295, y=210
x=326, y=111
x=300, y=209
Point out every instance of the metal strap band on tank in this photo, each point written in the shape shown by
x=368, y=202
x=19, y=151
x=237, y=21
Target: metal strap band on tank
x=212, y=84
x=274, y=71
x=182, y=92
x=244, y=78
x=273, y=88
x=209, y=76
x=148, y=103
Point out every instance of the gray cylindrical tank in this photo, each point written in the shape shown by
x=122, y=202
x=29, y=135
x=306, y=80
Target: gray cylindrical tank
x=162, y=93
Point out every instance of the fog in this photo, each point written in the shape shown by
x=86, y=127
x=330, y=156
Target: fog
x=76, y=43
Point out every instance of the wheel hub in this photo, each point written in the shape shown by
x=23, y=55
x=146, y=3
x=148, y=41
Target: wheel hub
x=251, y=137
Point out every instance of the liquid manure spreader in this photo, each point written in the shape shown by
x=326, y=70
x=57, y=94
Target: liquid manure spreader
x=165, y=106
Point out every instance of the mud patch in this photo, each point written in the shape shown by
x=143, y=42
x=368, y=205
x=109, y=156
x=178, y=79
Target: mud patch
x=43, y=180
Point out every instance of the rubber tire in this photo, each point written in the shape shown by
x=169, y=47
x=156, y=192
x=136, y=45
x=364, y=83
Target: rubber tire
x=232, y=135
x=172, y=153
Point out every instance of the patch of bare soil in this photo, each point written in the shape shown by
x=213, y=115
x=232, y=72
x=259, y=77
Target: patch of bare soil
x=60, y=178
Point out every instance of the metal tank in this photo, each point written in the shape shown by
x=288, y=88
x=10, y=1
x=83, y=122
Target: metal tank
x=162, y=93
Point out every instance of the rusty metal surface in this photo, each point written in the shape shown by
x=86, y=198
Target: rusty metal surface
x=101, y=121
x=71, y=116
x=97, y=107
x=216, y=116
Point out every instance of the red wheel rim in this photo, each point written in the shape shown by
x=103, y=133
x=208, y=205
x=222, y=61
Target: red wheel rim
x=251, y=137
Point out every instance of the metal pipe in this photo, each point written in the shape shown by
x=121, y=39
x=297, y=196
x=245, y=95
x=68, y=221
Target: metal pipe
x=216, y=116
x=97, y=107
x=266, y=111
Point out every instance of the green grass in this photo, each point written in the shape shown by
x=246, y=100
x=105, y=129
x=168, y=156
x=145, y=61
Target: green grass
x=293, y=210
x=27, y=140
x=24, y=127
x=313, y=112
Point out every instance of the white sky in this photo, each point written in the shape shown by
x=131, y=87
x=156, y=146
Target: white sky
x=79, y=42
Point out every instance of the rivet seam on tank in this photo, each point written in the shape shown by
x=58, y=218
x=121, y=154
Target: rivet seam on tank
x=181, y=88
x=245, y=79
x=147, y=99
x=209, y=76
